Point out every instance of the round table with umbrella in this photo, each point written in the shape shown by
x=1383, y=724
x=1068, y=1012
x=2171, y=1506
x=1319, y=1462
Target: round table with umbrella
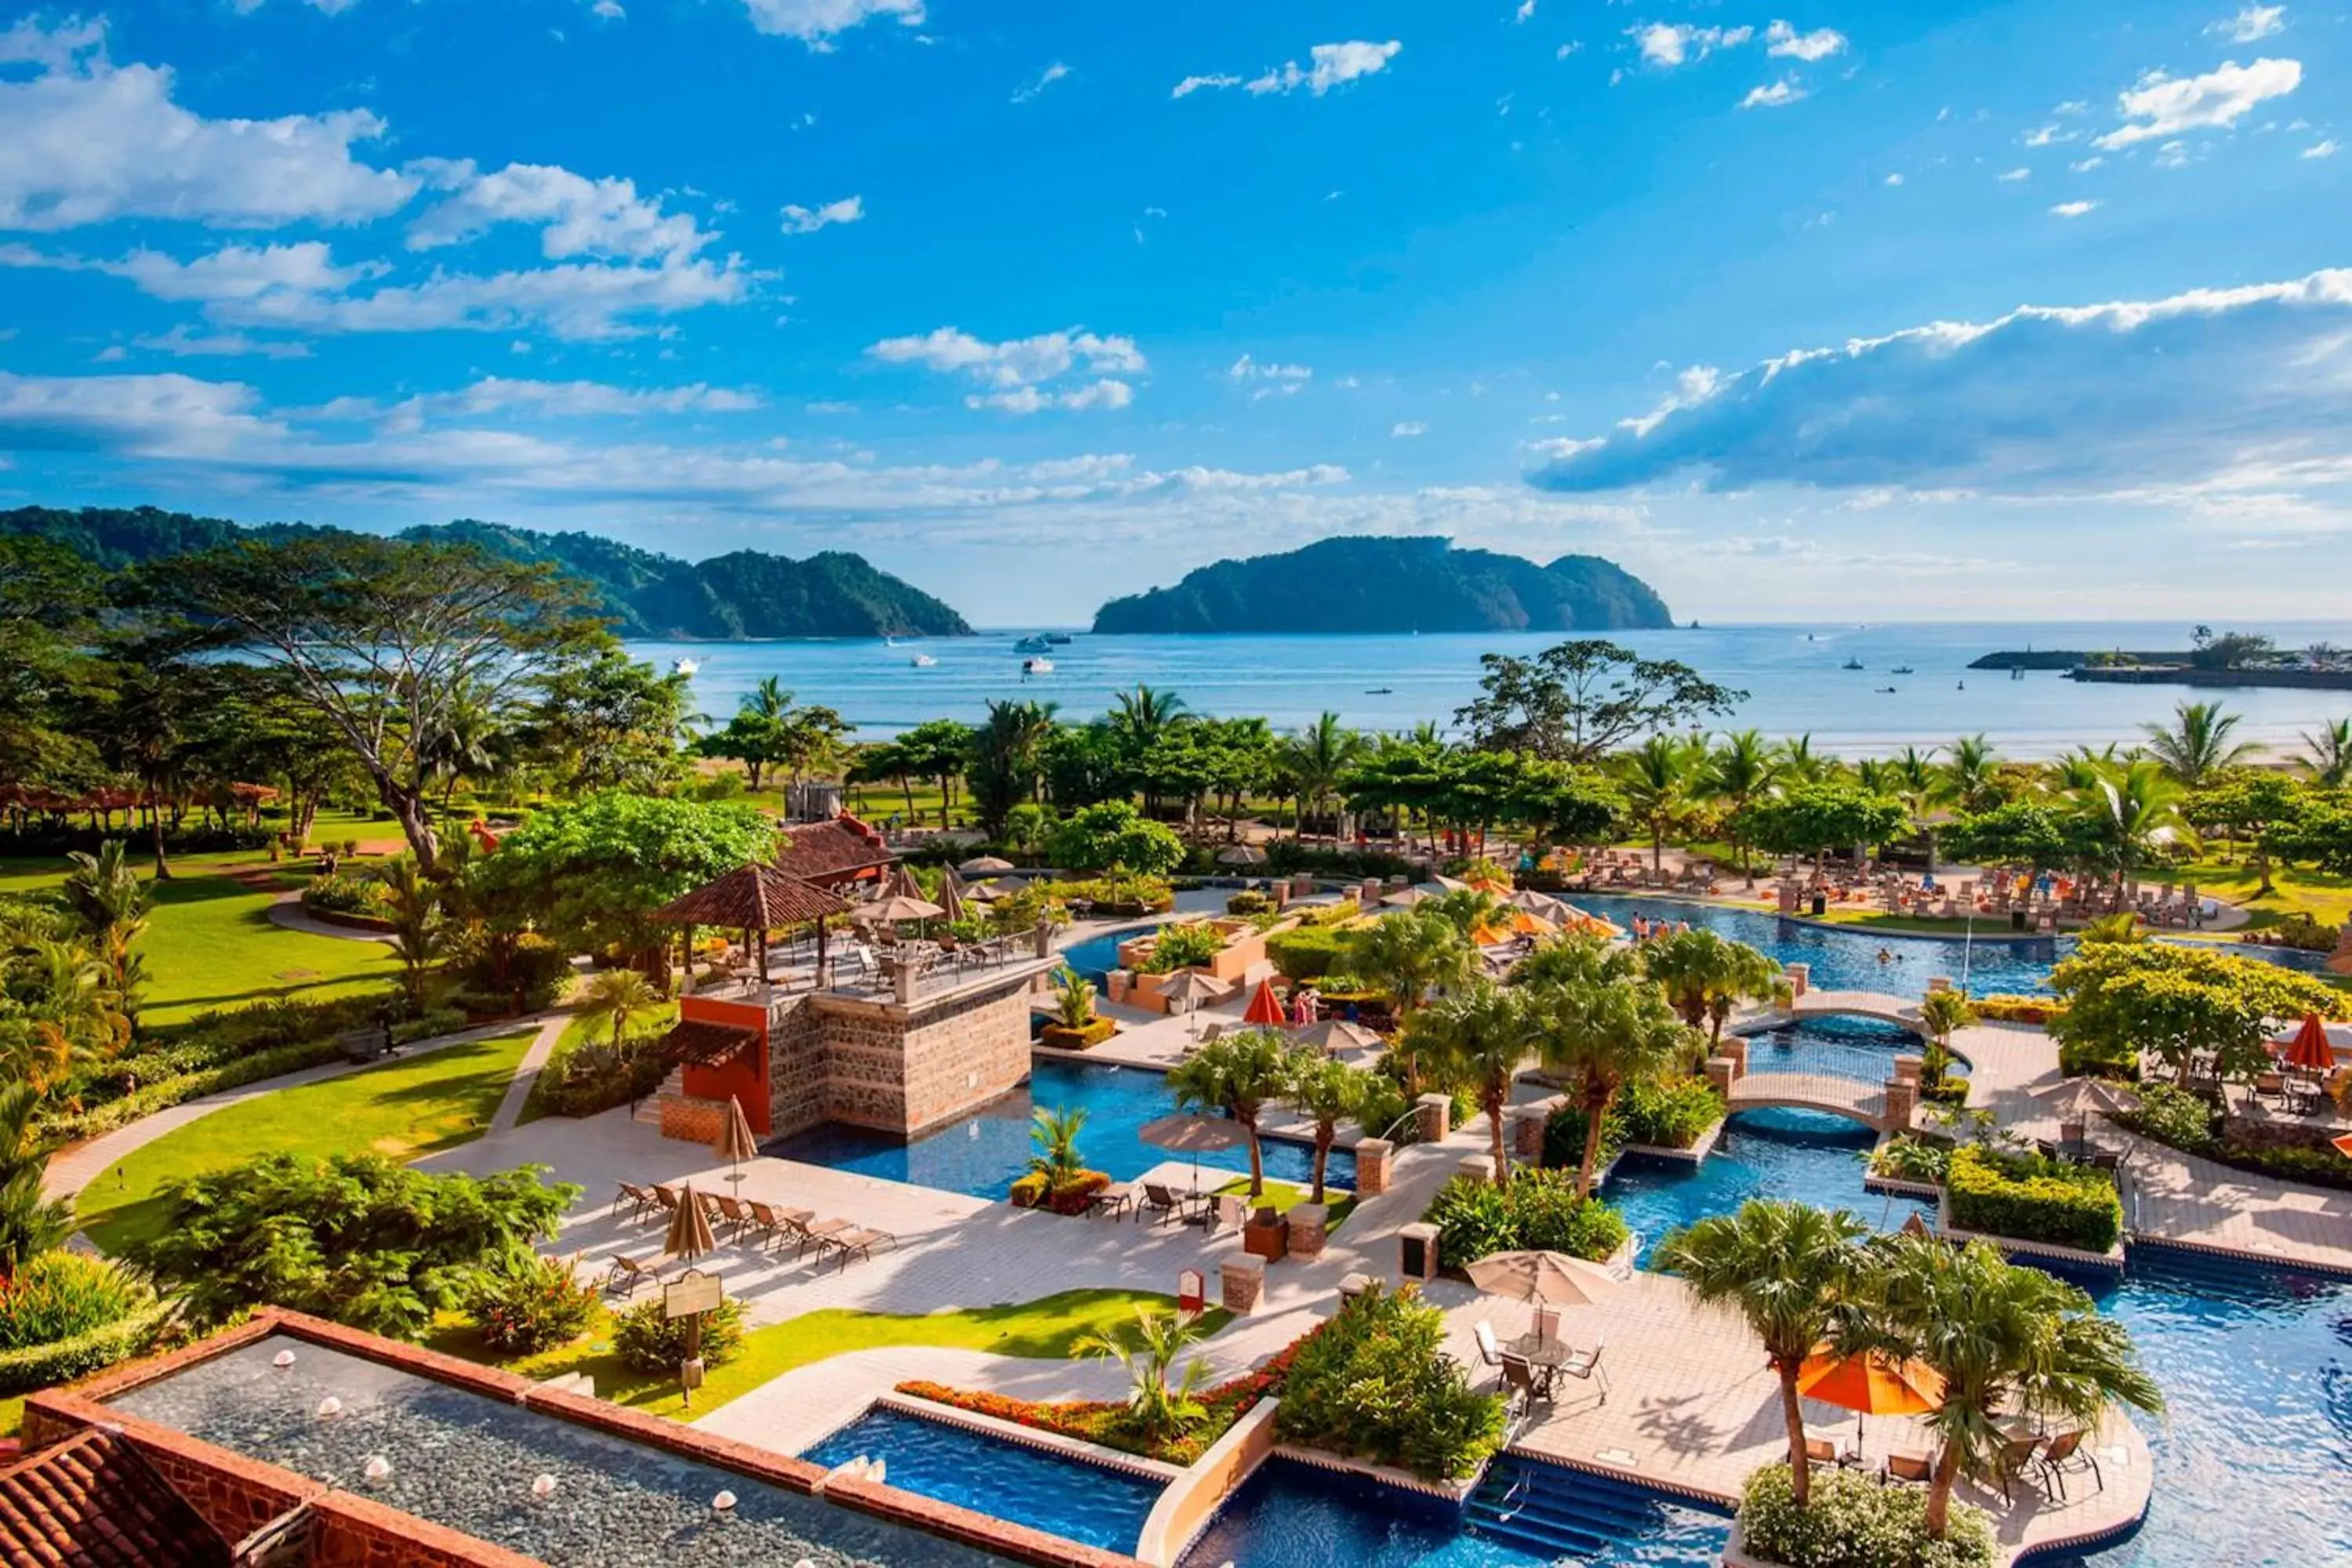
x=1337, y=1036
x=2311, y=1053
x=1872, y=1383
x=1186, y=1132
x=1193, y=989
x=1548, y=1279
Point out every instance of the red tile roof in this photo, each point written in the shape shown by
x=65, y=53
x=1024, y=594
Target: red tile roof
x=832, y=851
x=699, y=1044
x=90, y=1501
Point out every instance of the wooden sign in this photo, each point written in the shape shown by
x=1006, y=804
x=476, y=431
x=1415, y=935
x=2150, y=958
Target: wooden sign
x=691, y=1292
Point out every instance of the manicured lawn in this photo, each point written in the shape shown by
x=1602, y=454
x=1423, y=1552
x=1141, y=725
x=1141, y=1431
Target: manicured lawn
x=2296, y=890
x=12, y=1414
x=211, y=943
x=581, y=1030
x=1045, y=1329
x=401, y=1108
x=1282, y=1197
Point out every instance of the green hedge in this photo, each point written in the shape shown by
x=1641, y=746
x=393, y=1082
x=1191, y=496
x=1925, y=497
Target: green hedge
x=1062, y=1037
x=1374, y=1383
x=1665, y=1113
x=1308, y=952
x=62, y=1361
x=2029, y=1198
x=2186, y=1121
x=1853, y=1521
x=1537, y=1210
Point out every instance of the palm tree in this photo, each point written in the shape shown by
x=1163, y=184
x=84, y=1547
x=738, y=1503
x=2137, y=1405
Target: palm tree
x=111, y=904
x=2329, y=760
x=619, y=996
x=1478, y=1036
x=2004, y=1336
x=1314, y=760
x=1238, y=1074
x=2122, y=927
x=1658, y=779
x=1405, y=956
x=414, y=909
x=1739, y=773
x=1785, y=1267
x=1969, y=774
x=1801, y=764
x=1160, y=1409
x=30, y=1225
x=1579, y=958
x=1139, y=718
x=68, y=1015
x=1074, y=998
x=2196, y=746
x=1326, y=1091
x=1699, y=969
x=1055, y=1131
x=1600, y=1038
x=1942, y=1013
x=2127, y=809
x=1465, y=909
x=1922, y=786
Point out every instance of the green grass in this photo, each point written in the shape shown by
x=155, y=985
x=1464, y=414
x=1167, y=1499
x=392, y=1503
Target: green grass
x=210, y=944
x=581, y=1030
x=1044, y=1330
x=401, y=1108
x=1283, y=1197
x=12, y=1414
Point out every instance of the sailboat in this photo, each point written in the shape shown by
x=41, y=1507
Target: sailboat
x=1852, y=664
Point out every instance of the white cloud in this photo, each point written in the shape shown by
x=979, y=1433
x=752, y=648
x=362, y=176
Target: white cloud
x=2326, y=149
x=543, y=399
x=85, y=141
x=2049, y=135
x=1784, y=40
x=2227, y=388
x=1567, y=48
x=2252, y=24
x=1270, y=380
x=1894, y=179
x=575, y=215
x=807, y=220
x=1409, y=427
x=2073, y=209
x=1036, y=400
x=182, y=343
x=1670, y=44
x=1048, y=77
x=611, y=10
x=1775, y=95
x=1328, y=66
x=2085, y=165
x=817, y=22
x=1526, y=12
x=2011, y=176
x=2158, y=106
x=1017, y=361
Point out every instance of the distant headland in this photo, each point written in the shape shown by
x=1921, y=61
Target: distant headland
x=743, y=595
x=1393, y=585
x=2231, y=658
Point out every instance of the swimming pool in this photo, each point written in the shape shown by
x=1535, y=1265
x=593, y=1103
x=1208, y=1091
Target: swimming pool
x=1840, y=1047
x=1089, y=1503
x=1093, y=957
x=981, y=1154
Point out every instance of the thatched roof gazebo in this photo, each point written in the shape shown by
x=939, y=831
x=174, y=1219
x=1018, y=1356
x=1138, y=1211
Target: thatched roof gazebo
x=755, y=901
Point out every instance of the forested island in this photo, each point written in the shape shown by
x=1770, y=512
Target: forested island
x=1392, y=584
x=745, y=593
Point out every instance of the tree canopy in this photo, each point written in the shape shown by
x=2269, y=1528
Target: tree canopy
x=1578, y=701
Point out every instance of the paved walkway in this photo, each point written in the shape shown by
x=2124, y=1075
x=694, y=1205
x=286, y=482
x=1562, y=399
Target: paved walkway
x=534, y=1057
x=287, y=911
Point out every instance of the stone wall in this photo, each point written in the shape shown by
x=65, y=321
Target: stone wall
x=898, y=1068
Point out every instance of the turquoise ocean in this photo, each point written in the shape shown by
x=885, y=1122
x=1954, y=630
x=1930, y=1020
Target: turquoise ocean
x=1794, y=676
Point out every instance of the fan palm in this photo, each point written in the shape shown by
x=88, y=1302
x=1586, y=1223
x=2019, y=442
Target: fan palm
x=1478, y=1036
x=2004, y=1336
x=2195, y=745
x=1161, y=1409
x=1785, y=1267
x=1698, y=968
x=1314, y=760
x=1239, y=1074
x=1660, y=779
x=1326, y=1091
x=1599, y=1037
x=618, y=997
x=2329, y=759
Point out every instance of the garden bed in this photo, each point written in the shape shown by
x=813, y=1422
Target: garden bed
x=2029, y=1198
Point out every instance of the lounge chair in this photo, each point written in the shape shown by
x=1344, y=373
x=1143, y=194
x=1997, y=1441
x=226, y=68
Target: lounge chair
x=666, y=1199
x=858, y=1243
x=1907, y=1470
x=1837, y=1449
x=2067, y=1453
x=814, y=1233
x=626, y=1274
x=773, y=1224
x=731, y=1212
x=2015, y=1455
x=641, y=1200
x=1163, y=1202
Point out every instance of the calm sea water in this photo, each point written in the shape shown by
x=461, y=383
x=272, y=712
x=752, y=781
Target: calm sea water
x=1793, y=674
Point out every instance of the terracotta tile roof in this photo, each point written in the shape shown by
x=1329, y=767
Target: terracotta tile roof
x=757, y=897
x=827, y=851
x=704, y=1045
x=92, y=1502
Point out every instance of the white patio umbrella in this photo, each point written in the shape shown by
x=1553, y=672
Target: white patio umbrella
x=1534, y=903
x=1405, y=897
x=1446, y=884
x=1546, y=1279
x=2082, y=1096
x=1185, y=1134
x=895, y=909
x=985, y=866
x=1194, y=988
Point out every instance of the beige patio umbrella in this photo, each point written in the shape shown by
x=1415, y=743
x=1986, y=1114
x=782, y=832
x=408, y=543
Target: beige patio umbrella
x=1449, y=884
x=1405, y=897
x=1185, y=1134
x=985, y=866
x=1541, y=904
x=1194, y=989
x=689, y=1228
x=952, y=899
x=894, y=908
x=1546, y=1279
x=1333, y=1036
x=2081, y=1096
x=737, y=1143
x=1240, y=855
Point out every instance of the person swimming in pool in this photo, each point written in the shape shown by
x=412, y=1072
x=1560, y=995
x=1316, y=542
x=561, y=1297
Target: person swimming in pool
x=1886, y=955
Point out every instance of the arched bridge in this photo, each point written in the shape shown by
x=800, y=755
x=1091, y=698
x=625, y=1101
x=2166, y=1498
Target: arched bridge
x=1848, y=1097
x=1876, y=1006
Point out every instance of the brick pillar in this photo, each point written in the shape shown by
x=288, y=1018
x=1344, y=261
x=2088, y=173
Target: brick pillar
x=1417, y=1241
x=1433, y=1115
x=1241, y=1279
x=1042, y=939
x=1908, y=1069
x=1733, y=1048
x=1479, y=1167
x=1902, y=1101
x=1801, y=976
x=1309, y=1227
x=902, y=981
x=1119, y=980
x=1939, y=983
x=1369, y=893
x=1527, y=1135
x=1373, y=1156
x=1719, y=1074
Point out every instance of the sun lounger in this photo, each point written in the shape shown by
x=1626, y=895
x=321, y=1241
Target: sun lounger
x=1907, y=1469
x=627, y=1274
x=732, y=1212
x=666, y=1199
x=858, y=1243
x=773, y=1224
x=2016, y=1455
x=641, y=1200
x=2067, y=1454
x=814, y=1233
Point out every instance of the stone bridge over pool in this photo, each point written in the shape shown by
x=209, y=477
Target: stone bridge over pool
x=1847, y=1097
x=1876, y=1006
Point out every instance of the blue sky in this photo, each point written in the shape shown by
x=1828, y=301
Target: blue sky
x=1806, y=310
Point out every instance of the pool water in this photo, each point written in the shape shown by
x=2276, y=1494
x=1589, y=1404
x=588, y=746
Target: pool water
x=1093, y=957
x=980, y=1155
x=1088, y=1504
x=1837, y=1048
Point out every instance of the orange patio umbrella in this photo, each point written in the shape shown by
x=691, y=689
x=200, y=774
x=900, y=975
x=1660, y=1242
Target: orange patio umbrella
x=1870, y=1384
x=1529, y=924
x=2311, y=1049
x=1488, y=936
x=2344, y=1145
x=1264, y=1007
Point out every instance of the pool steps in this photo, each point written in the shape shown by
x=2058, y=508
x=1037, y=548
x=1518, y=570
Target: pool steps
x=1564, y=1513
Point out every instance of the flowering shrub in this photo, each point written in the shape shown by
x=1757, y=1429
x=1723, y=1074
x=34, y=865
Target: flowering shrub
x=2011, y=1009
x=1111, y=1423
x=535, y=1307
x=1852, y=1521
x=342, y=893
x=1070, y=1197
x=58, y=1295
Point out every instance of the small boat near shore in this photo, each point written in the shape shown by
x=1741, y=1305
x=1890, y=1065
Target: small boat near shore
x=1030, y=667
x=1852, y=664
x=922, y=661
x=1032, y=645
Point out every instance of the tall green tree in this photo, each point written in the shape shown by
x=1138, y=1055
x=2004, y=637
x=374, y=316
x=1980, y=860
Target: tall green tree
x=1239, y=1073
x=1328, y=1092
x=1316, y=760
x=1660, y=779
x=1600, y=1036
x=111, y=905
x=2327, y=755
x=1579, y=701
x=1705, y=975
x=1480, y=1036
x=1738, y=771
x=2195, y=745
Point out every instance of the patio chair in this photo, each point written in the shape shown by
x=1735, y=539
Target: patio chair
x=2015, y=1455
x=1836, y=1449
x=858, y=1243
x=816, y=1233
x=1525, y=1382
x=1907, y=1469
x=641, y=1200
x=773, y=1224
x=1228, y=1209
x=1160, y=1200
x=1489, y=1350
x=626, y=1274
x=666, y=1199
x=2067, y=1454
x=1585, y=1367
x=732, y=1212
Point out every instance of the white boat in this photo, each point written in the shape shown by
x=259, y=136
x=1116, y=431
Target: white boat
x=922, y=661
x=1036, y=667
x=1032, y=645
x=685, y=666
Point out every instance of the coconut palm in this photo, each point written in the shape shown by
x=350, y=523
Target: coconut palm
x=1478, y=1036
x=2197, y=744
x=1405, y=956
x=1579, y=958
x=1466, y=908
x=1971, y=770
x=1738, y=772
x=1660, y=779
x=1314, y=760
x=2329, y=759
x=1239, y=1074
x=2004, y=1336
x=30, y=1225
x=1326, y=1091
x=1599, y=1037
x=1785, y=1267
x=1921, y=785
x=1801, y=764
x=110, y=903
x=618, y=997
x=1161, y=1409
x=1700, y=968
x=1054, y=1131
x=2129, y=810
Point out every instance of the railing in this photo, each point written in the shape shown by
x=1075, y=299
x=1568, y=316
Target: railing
x=1822, y=1058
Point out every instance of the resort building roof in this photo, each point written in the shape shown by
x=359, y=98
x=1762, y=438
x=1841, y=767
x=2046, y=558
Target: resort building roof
x=93, y=1502
x=827, y=853
x=756, y=898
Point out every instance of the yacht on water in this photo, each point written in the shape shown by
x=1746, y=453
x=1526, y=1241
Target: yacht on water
x=1030, y=667
x=685, y=667
x=922, y=661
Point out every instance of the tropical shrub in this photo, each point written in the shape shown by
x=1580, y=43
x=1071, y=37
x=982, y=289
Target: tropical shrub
x=1905, y=1158
x=648, y=1341
x=62, y=1361
x=2188, y=1122
x=2028, y=1198
x=2173, y=1115
x=1534, y=1211
x=1853, y=1521
x=533, y=1308
x=355, y=1237
x=1114, y=835
x=1667, y=1112
x=62, y=1295
x=1087, y=1036
x=525, y=970
x=587, y=1076
x=1374, y=1383
x=1249, y=901
x=1308, y=952
x=342, y=893
x=1141, y=895
x=1184, y=945
x=1110, y=1423
x=2005, y=1008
